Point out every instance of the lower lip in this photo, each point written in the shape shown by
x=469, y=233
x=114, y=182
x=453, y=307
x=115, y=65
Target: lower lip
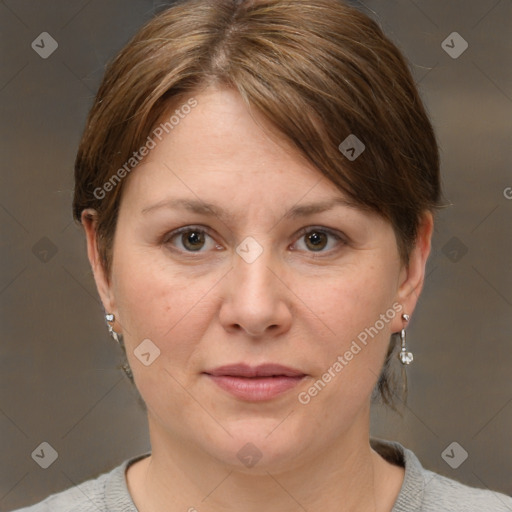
x=257, y=388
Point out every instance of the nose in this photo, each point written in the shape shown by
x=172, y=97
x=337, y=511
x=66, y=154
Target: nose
x=256, y=298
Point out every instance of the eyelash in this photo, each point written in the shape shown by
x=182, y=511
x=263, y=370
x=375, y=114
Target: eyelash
x=303, y=232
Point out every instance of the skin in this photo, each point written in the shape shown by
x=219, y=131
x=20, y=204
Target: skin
x=297, y=304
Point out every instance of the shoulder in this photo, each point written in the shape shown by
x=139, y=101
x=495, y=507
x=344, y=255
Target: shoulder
x=105, y=493
x=425, y=491
x=83, y=497
x=452, y=495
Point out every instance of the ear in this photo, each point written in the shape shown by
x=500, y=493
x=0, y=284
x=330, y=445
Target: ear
x=412, y=275
x=89, y=220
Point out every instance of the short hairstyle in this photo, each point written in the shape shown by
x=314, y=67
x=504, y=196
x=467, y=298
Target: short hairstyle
x=318, y=70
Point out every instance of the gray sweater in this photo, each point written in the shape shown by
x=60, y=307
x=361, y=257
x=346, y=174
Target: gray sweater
x=422, y=490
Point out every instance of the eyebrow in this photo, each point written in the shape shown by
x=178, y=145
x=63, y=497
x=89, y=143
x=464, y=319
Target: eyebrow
x=204, y=208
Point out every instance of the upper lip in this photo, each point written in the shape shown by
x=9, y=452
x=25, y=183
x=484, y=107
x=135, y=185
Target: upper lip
x=262, y=370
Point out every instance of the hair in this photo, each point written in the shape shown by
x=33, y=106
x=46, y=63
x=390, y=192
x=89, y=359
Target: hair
x=318, y=71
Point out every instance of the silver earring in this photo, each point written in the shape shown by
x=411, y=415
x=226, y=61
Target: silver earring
x=405, y=356
x=109, y=317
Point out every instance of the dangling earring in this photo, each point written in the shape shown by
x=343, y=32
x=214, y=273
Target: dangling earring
x=405, y=356
x=109, y=317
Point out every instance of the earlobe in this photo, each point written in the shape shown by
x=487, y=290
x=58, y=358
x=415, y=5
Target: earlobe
x=89, y=221
x=412, y=276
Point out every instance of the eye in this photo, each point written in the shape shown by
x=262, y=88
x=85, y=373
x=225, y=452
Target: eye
x=316, y=239
x=191, y=239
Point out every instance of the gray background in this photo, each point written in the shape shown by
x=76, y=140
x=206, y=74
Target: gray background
x=60, y=381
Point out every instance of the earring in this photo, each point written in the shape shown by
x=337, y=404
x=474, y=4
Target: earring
x=109, y=317
x=405, y=356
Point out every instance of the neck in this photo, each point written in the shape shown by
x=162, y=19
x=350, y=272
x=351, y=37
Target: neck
x=347, y=476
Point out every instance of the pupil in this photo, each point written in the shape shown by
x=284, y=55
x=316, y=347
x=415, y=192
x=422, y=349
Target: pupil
x=316, y=238
x=194, y=239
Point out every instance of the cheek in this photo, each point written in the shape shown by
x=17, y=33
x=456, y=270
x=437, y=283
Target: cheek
x=161, y=304
x=356, y=298
x=358, y=309
x=169, y=309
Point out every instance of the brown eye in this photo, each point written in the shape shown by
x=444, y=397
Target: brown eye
x=193, y=240
x=320, y=240
x=316, y=240
x=189, y=239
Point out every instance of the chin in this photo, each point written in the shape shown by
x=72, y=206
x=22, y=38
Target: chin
x=259, y=446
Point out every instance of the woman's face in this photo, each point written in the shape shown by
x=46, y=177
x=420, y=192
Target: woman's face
x=279, y=270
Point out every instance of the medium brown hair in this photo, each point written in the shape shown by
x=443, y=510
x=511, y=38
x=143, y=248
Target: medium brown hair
x=318, y=70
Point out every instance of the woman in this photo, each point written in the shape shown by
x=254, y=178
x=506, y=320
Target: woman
x=257, y=182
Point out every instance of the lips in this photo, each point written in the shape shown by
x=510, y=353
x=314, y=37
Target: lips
x=255, y=383
x=263, y=370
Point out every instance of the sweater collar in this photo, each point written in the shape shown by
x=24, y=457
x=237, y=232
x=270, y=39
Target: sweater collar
x=411, y=493
x=117, y=496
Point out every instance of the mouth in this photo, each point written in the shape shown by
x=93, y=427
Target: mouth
x=255, y=383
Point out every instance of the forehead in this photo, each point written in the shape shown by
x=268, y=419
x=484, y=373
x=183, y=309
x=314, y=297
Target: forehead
x=223, y=148
x=222, y=127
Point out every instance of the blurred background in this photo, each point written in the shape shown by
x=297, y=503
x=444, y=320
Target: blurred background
x=59, y=369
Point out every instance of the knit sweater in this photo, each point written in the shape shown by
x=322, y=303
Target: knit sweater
x=421, y=491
